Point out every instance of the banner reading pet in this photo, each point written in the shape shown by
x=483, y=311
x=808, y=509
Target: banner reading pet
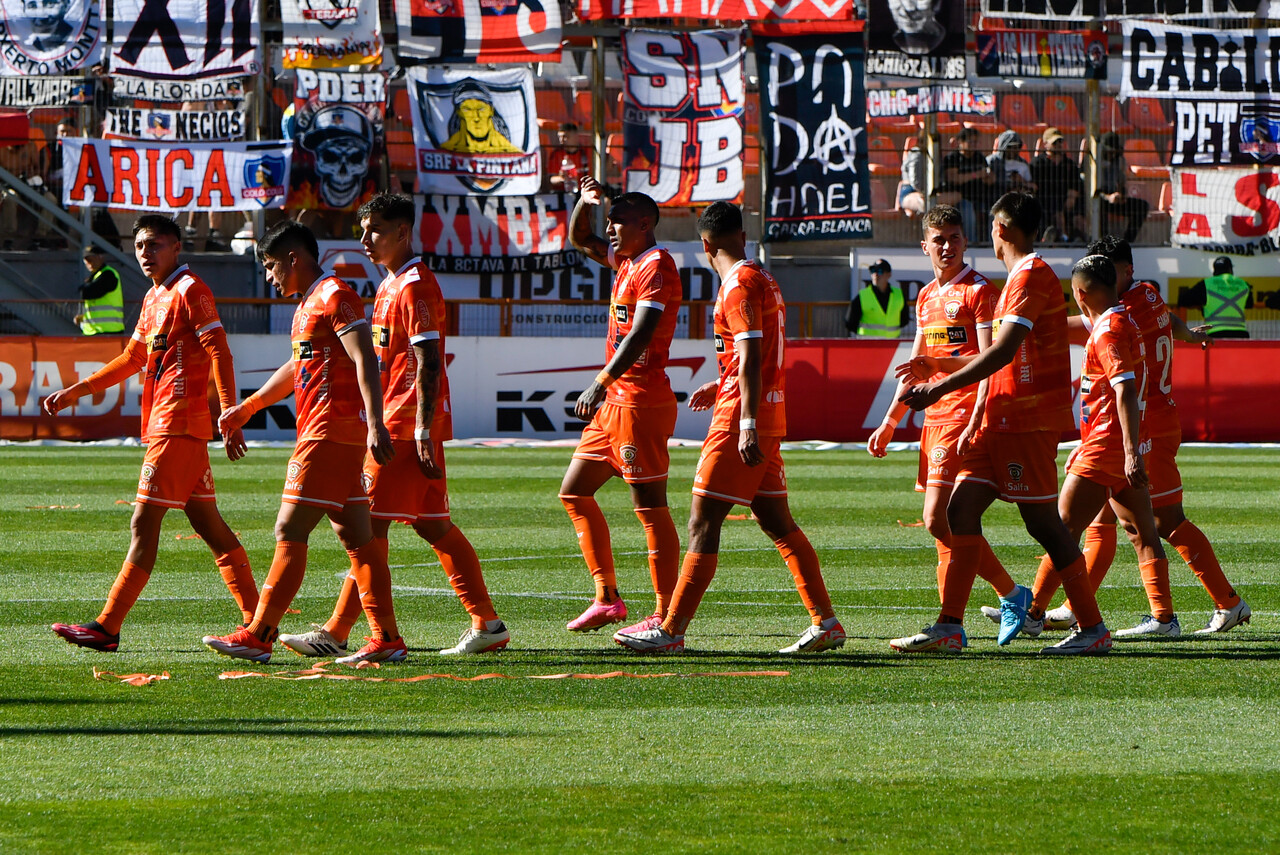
x=682, y=112
x=479, y=31
x=916, y=38
x=498, y=234
x=170, y=177
x=1208, y=132
x=42, y=37
x=330, y=33
x=185, y=39
x=475, y=131
x=339, y=139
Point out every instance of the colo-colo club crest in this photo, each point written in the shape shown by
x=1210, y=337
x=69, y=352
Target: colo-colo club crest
x=264, y=178
x=479, y=132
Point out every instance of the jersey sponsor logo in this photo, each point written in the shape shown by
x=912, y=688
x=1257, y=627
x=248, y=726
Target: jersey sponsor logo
x=157, y=342
x=424, y=314
x=719, y=343
x=381, y=338
x=302, y=350
x=620, y=314
x=293, y=475
x=938, y=336
x=348, y=313
x=748, y=314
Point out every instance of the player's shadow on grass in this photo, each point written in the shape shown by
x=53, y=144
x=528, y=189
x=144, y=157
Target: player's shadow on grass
x=322, y=728
x=628, y=661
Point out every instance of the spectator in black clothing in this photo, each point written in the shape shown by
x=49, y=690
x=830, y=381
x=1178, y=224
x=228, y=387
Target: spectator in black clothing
x=1113, y=179
x=879, y=310
x=1060, y=190
x=965, y=172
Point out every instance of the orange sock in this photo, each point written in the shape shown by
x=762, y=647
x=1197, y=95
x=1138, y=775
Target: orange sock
x=1155, y=578
x=373, y=578
x=695, y=575
x=802, y=561
x=958, y=575
x=462, y=566
x=994, y=573
x=944, y=555
x=1196, y=550
x=124, y=593
x=1046, y=585
x=1099, y=551
x=238, y=576
x=664, y=552
x=347, y=610
x=288, y=566
x=1075, y=581
x=593, y=540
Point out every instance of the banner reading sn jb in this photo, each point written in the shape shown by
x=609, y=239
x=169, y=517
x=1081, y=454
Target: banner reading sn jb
x=175, y=177
x=811, y=104
x=683, y=100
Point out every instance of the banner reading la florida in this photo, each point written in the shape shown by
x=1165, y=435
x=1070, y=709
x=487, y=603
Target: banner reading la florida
x=683, y=100
x=171, y=177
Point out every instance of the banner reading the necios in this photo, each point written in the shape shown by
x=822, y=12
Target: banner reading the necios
x=34, y=367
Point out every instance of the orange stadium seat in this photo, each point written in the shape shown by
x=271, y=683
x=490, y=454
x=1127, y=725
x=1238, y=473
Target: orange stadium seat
x=1019, y=112
x=751, y=157
x=882, y=207
x=1060, y=112
x=552, y=109
x=1143, y=159
x=1112, y=117
x=947, y=125
x=882, y=157
x=400, y=105
x=894, y=124
x=1147, y=117
x=1166, y=198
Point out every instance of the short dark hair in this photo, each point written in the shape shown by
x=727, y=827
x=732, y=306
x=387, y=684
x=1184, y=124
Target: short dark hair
x=720, y=219
x=286, y=236
x=568, y=126
x=158, y=224
x=1096, y=268
x=1115, y=248
x=941, y=215
x=641, y=202
x=1022, y=210
x=396, y=207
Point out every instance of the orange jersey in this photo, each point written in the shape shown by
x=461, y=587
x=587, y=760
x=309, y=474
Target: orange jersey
x=175, y=399
x=1113, y=355
x=652, y=280
x=324, y=377
x=409, y=311
x=1147, y=309
x=948, y=318
x=1033, y=392
x=749, y=306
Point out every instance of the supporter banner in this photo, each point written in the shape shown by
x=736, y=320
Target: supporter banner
x=1225, y=132
x=154, y=176
x=683, y=100
x=496, y=234
x=1042, y=53
x=811, y=104
x=49, y=37
x=184, y=39
x=45, y=91
x=340, y=144
x=1163, y=61
x=330, y=33
x=914, y=39
x=937, y=98
x=481, y=31
x=176, y=125
x=1039, y=9
x=716, y=10
x=475, y=131
x=126, y=89
x=1230, y=210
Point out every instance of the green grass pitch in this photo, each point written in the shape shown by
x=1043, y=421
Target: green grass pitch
x=1169, y=747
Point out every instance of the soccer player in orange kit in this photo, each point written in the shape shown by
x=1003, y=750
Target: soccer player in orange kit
x=741, y=460
x=408, y=336
x=628, y=434
x=334, y=376
x=177, y=342
x=1014, y=457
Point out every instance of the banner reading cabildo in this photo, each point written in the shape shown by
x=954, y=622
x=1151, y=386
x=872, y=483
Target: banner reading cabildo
x=171, y=177
x=1042, y=53
x=480, y=31
x=498, y=234
x=49, y=37
x=1162, y=61
x=475, y=131
x=811, y=104
x=682, y=108
x=184, y=39
x=1226, y=210
x=330, y=33
x=338, y=129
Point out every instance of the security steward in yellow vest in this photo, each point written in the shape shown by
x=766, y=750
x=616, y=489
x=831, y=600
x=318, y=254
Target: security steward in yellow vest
x=880, y=310
x=103, y=297
x=1222, y=298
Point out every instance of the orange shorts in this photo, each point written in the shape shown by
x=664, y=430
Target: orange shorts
x=176, y=471
x=1100, y=464
x=1162, y=470
x=721, y=473
x=633, y=440
x=325, y=474
x=1021, y=467
x=399, y=491
x=939, y=459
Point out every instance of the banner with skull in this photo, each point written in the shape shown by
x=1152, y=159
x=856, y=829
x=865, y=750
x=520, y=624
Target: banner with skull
x=330, y=33
x=480, y=31
x=339, y=141
x=916, y=38
x=49, y=37
x=185, y=39
x=683, y=101
x=475, y=132
x=812, y=113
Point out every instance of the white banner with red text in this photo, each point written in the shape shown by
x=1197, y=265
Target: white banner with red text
x=1230, y=210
